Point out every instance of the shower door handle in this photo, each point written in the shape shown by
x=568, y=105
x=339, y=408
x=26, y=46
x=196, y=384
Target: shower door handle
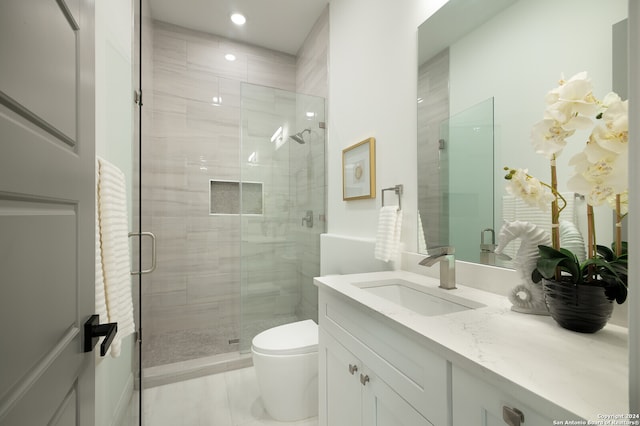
x=153, y=251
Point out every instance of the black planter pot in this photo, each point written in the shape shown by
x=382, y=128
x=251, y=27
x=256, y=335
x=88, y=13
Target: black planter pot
x=582, y=308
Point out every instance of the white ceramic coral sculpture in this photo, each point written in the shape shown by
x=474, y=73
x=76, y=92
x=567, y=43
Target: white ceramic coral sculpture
x=526, y=297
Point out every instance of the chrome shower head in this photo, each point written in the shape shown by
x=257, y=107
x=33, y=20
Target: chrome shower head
x=298, y=137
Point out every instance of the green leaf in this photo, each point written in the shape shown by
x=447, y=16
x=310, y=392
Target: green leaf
x=606, y=253
x=569, y=254
x=610, y=271
x=624, y=247
x=622, y=294
x=547, y=268
x=547, y=252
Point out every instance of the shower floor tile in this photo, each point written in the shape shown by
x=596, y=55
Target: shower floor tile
x=226, y=399
x=185, y=345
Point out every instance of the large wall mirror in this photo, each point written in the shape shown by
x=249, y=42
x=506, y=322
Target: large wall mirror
x=485, y=67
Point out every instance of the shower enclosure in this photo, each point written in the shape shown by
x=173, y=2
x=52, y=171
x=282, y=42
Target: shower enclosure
x=237, y=206
x=230, y=178
x=284, y=209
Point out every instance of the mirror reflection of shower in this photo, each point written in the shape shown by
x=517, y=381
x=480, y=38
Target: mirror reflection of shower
x=299, y=137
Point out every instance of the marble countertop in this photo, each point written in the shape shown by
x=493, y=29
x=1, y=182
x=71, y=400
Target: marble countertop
x=584, y=374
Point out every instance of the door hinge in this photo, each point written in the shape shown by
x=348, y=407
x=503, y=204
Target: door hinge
x=137, y=97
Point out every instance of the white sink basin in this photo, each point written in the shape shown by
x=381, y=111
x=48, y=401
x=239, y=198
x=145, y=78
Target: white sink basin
x=419, y=298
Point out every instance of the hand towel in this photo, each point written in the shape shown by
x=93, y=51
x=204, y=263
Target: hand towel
x=516, y=209
x=101, y=302
x=116, y=263
x=388, y=234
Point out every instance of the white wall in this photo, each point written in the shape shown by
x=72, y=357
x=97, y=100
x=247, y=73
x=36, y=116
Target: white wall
x=372, y=93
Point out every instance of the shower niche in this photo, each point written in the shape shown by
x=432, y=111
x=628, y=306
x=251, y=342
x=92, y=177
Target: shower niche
x=233, y=197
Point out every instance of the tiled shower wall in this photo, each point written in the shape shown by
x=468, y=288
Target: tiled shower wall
x=433, y=110
x=194, y=302
x=312, y=79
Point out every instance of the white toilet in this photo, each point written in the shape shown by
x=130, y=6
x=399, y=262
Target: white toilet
x=286, y=364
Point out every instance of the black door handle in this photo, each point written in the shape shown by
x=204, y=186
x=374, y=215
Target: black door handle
x=93, y=330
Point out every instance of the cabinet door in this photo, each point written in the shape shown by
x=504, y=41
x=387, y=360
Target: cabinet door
x=340, y=388
x=477, y=403
x=382, y=406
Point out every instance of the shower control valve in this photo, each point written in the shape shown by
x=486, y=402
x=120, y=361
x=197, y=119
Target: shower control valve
x=308, y=219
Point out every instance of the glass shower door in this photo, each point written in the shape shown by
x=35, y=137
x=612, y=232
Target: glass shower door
x=469, y=175
x=282, y=207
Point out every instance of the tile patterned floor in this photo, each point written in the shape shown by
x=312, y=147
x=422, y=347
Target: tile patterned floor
x=182, y=345
x=226, y=399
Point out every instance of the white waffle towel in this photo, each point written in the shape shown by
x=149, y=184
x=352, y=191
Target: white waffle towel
x=116, y=263
x=515, y=209
x=388, y=235
x=101, y=302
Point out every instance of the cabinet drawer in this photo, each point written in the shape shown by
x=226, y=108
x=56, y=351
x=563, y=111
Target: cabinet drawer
x=476, y=402
x=415, y=373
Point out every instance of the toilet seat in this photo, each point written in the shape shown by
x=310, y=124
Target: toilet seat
x=289, y=339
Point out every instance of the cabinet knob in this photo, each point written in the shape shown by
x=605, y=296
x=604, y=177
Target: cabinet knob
x=353, y=368
x=364, y=379
x=512, y=416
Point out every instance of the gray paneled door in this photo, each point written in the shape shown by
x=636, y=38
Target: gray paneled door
x=47, y=223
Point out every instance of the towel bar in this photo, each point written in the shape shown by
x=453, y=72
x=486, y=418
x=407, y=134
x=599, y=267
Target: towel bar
x=398, y=190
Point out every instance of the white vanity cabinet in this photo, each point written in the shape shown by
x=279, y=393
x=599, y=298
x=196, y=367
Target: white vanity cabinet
x=373, y=375
x=476, y=402
x=482, y=366
x=355, y=395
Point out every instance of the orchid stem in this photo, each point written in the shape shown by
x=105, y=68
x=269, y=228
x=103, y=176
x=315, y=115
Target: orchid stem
x=591, y=239
x=618, y=226
x=555, y=212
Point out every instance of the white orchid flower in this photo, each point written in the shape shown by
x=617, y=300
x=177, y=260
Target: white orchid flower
x=572, y=102
x=624, y=202
x=549, y=138
x=600, y=179
x=521, y=185
x=609, y=99
x=612, y=132
x=595, y=194
x=594, y=151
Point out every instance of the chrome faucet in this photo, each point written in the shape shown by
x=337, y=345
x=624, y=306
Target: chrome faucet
x=444, y=255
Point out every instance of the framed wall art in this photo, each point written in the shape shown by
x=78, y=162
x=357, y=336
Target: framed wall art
x=359, y=170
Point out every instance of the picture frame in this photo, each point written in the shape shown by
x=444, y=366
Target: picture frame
x=359, y=170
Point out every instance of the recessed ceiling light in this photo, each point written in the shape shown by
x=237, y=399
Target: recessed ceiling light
x=238, y=19
x=230, y=57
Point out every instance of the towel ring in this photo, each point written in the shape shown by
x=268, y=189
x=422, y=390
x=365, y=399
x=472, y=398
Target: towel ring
x=398, y=190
